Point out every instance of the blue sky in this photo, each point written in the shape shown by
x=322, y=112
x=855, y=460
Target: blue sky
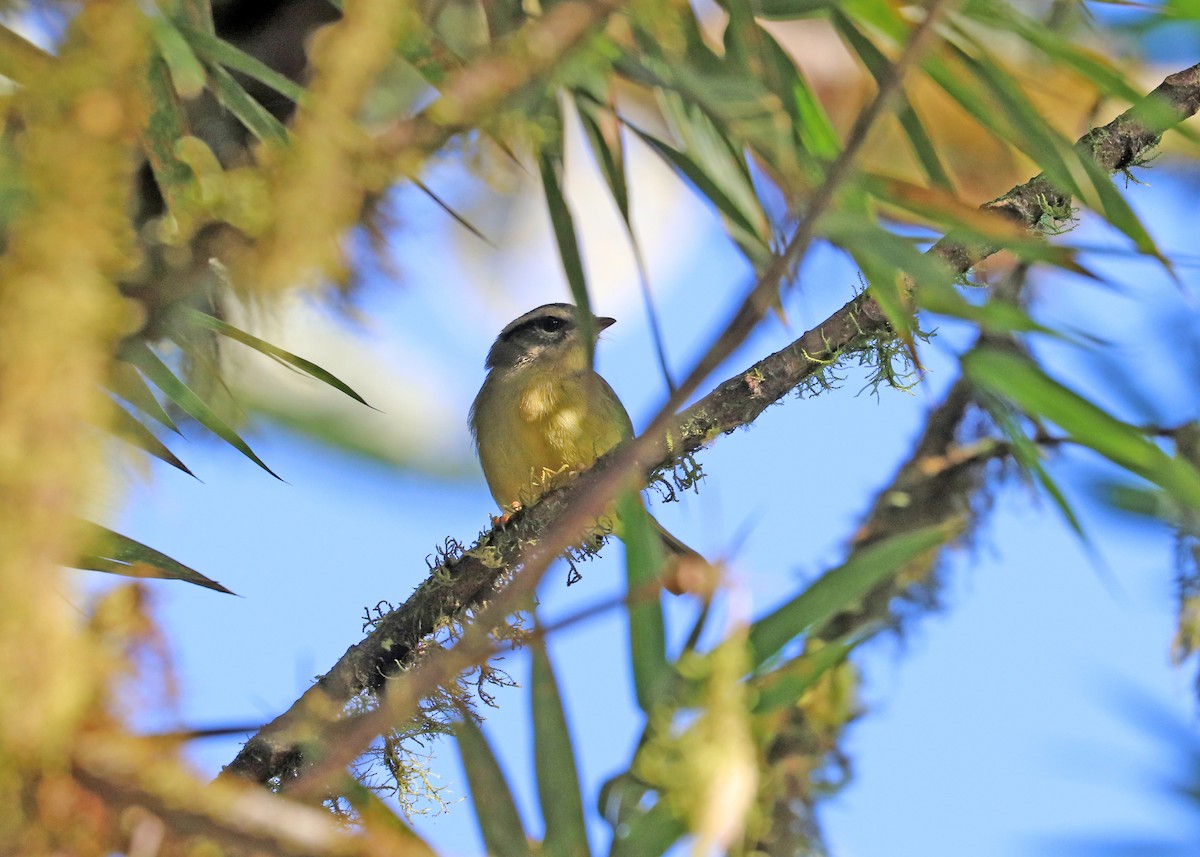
x=1010, y=722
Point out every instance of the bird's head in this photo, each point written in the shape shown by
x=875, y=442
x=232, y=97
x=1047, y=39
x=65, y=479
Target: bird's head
x=548, y=336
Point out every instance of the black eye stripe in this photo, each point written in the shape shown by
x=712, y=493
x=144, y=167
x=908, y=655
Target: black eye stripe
x=549, y=324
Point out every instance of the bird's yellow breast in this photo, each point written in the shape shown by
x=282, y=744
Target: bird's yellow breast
x=530, y=425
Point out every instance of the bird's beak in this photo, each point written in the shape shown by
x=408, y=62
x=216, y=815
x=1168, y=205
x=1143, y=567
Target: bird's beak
x=604, y=322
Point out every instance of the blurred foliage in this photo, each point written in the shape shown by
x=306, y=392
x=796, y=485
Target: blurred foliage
x=164, y=163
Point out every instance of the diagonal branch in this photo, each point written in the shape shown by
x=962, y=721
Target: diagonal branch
x=398, y=640
x=534, y=50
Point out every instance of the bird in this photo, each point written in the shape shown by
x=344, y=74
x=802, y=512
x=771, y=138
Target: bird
x=543, y=411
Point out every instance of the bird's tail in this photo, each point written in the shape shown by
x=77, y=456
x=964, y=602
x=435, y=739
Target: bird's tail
x=684, y=569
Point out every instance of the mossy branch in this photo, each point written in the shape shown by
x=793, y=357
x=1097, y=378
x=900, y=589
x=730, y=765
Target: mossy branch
x=277, y=751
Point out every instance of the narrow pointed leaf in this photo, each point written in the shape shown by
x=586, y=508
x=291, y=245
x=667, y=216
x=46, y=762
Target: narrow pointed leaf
x=128, y=383
x=257, y=119
x=187, y=72
x=603, y=130
x=554, y=760
x=491, y=796
x=1019, y=380
x=783, y=686
x=114, y=553
x=741, y=230
x=444, y=206
x=217, y=51
x=1027, y=455
x=306, y=366
x=877, y=64
x=187, y=400
x=652, y=673
x=649, y=834
x=843, y=586
x=606, y=146
x=130, y=429
x=550, y=165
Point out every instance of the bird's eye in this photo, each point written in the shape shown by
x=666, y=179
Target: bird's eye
x=550, y=324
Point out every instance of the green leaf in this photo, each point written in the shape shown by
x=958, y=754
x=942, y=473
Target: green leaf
x=550, y=165
x=127, y=427
x=309, y=368
x=257, y=119
x=114, y=553
x=782, y=687
x=744, y=233
x=1028, y=456
x=140, y=355
x=491, y=797
x=128, y=383
x=554, y=760
x=218, y=52
x=877, y=64
x=648, y=834
x=1091, y=65
x=1019, y=380
x=187, y=72
x=652, y=674
x=843, y=586
x=606, y=146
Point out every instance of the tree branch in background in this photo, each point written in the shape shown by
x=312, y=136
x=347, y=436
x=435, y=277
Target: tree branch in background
x=477, y=90
x=457, y=586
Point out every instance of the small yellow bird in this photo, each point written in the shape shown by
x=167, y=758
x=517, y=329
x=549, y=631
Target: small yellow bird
x=543, y=410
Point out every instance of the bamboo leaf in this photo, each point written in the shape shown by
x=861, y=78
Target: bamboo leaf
x=491, y=797
x=218, y=52
x=128, y=383
x=554, y=759
x=605, y=140
x=114, y=553
x=309, y=368
x=837, y=589
x=257, y=119
x=877, y=64
x=652, y=674
x=187, y=72
x=741, y=229
x=130, y=429
x=162, y=377
x=649, y=834
x=781, y=687
x=550, y=165
x=1019, y=380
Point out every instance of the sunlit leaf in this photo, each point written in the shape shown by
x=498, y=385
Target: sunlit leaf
x=554, y=759
x=140, y=355
x=842, y=587
x=309, y=368
x=114, y=553
x=491, y=797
